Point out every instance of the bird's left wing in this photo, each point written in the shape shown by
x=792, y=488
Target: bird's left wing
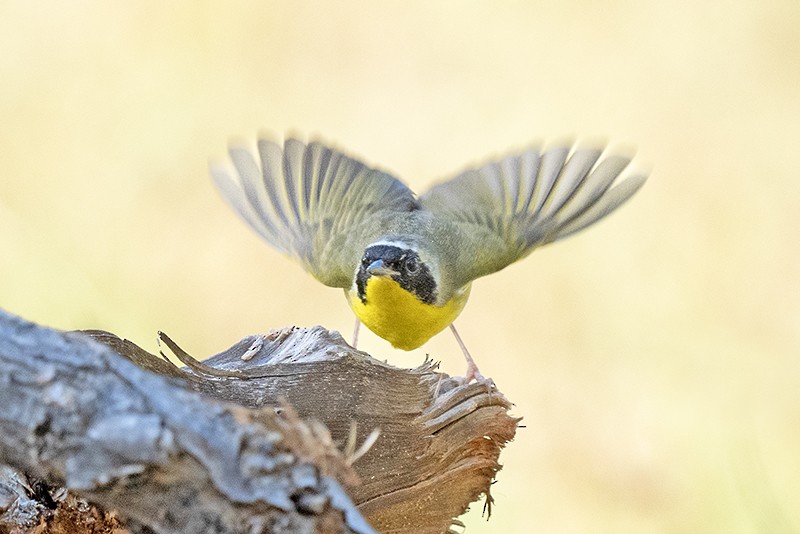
x=511, y=206
x=312, y=202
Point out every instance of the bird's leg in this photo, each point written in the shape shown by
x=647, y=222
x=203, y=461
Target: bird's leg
x=354, y=344
x=472, y=369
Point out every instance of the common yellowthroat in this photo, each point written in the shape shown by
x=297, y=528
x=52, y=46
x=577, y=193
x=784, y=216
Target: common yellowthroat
x=406, y=263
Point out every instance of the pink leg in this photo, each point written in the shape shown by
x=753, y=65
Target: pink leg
x=472, y=369
x=354, y=344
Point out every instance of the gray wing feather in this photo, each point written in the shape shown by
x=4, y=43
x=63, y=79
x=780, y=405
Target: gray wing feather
x=530, y=199
x=236, y=197
x=312, y=202
x=610, y=201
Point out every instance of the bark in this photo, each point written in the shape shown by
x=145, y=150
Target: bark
x=246, y=445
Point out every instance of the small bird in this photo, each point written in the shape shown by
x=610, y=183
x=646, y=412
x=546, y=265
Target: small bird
x=407, y=263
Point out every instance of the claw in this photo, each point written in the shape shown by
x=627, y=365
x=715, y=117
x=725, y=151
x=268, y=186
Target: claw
x=473, y=373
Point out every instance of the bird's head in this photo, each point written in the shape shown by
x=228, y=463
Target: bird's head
x=400, y=262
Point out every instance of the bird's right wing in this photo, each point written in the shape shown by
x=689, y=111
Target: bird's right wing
x=312, y=202
x=529, y=199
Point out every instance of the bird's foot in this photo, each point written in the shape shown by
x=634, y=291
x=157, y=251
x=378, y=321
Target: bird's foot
x=473, y=373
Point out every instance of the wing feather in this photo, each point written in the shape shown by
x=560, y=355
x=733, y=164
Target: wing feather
x=529, y=199
x=312, y=202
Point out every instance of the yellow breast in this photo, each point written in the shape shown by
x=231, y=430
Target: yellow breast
x=400, y=317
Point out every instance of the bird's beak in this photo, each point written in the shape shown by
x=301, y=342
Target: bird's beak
x=377, y=268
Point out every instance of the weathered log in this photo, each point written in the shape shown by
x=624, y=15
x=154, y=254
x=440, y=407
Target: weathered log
x=75, y=413
x=436, y=452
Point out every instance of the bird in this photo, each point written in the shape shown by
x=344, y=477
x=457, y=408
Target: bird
x=406, y=263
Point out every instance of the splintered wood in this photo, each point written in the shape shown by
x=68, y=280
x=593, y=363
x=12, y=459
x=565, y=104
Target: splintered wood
x=412, y=448
x=439, y=440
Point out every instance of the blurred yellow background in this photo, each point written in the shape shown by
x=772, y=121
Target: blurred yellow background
x=654, y=357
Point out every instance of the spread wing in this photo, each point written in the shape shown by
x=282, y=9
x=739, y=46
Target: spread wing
x=311, y=202
x=526, y=200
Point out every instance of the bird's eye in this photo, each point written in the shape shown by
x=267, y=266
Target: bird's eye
x=412, y=265
x=365, y=261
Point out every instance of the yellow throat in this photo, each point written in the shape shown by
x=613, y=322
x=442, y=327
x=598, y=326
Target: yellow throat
x=399, y=317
